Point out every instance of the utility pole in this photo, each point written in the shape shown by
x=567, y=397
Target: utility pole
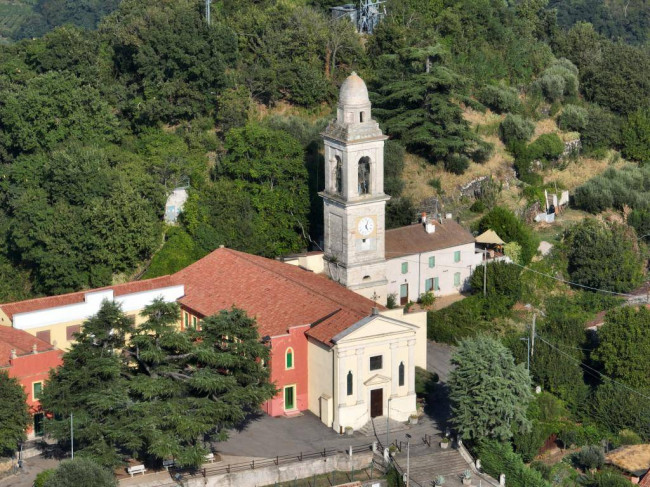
x=207, y=11
x=532, y=337
x=484, y=272
x=71, y=436
x=408, y=460
x=527, y=340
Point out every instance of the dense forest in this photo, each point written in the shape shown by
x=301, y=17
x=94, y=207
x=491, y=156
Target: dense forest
x=98, y=126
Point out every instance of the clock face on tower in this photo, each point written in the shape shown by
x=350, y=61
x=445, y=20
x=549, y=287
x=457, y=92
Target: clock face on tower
x=366, y=226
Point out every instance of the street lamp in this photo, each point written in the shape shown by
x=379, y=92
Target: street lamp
x=408, y=459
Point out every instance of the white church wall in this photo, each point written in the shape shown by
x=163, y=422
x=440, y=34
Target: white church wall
x=320, y=375
x=419, y=319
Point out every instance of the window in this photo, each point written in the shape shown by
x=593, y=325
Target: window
x=401, y=373
x=194, y=322
x=375, y=362
x=405, y=267
x=187, y=320
x=403, y=294
x=457, y=279
x=457, y=256
x=289, y=358
x=338, y=176
x=44, y=335
x=38, y=389
x=38, y=424
x=361, y=117
x=428, y=285
x=71, y=330
x=436, y=284
x=350, y=380
x=289, y=397
x=364, y=175
x=432, y=262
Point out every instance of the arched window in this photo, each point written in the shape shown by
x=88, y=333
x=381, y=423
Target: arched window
x=350, y=381
x=361, y=117
x=401, y=373
x=364, y=175
x=338, y=176
x=288, y=358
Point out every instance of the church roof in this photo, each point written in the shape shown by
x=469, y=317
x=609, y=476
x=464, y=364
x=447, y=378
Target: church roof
x=276, y=294
x=413, y=239
x=353, y=91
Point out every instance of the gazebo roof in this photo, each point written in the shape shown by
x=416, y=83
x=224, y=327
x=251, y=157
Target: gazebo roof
x=489, y=237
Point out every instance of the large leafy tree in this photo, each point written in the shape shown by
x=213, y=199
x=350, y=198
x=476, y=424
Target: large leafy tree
x=489, y=393
x=623, y=341
x=165, y=393
x=14, y=414
x=510, y=229
x=604, y=256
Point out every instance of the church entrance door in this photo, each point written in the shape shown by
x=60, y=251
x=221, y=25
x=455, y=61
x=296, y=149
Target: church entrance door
x=376, y=403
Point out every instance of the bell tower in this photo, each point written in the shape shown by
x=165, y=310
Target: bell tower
x=354, y=199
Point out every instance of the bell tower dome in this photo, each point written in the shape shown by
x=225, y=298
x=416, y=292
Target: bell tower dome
x=354, y=199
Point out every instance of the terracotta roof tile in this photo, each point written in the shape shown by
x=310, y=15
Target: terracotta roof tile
x=645, y=481
x=11, y=309
x=413, y=239
x=20, y=341
x=278, y=295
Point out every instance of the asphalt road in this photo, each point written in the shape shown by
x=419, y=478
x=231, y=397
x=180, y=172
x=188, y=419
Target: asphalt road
x=439, y=359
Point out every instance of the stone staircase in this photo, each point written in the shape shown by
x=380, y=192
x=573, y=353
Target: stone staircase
x=380, y=425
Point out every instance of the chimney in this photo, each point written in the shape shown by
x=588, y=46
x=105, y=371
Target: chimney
x=34, y=348
x=12, y=354
x=375, y=311
x=429, y=227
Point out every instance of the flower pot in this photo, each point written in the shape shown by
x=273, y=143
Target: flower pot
x=413, y=420
x=349, y=431
x=444, y=445
x=467, y=481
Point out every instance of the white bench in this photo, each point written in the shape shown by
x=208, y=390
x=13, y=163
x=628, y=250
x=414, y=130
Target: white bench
x=136, y=469
x=209, y=457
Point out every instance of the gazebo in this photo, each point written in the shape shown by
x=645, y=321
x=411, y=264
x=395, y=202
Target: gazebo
x=489, y=241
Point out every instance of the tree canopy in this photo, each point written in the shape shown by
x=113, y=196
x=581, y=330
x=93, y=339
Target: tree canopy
x=510, y=229
x=14, y=414
x=80, y=471
x=488, y=392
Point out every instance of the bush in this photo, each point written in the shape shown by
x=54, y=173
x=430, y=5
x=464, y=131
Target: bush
x=546, y=147
x=515, y=128
x=552, y=86
x=636, y=136
x=477, y=207
x=80, y=471
x=427, y=299
x=391, y=301
x=43, y=477
x=425, y=381
x=513, y=250
x=483, y=152
x=573, y=118
x=502, y=280
x=589, y=457
x=616, y=188
x=629, y=437
x=500, y=99
x=510, y=229
x=558, y=81
x=457, y=163
x=462, y=319
x=498, y=457
x=435, y=184
x=528, y=444
x=603, y=130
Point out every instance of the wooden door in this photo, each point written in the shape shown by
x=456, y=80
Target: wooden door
x=403, y=294
x=376, y=403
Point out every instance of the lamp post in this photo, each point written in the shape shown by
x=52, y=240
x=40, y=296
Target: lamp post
x=388, y=424
x=408, y=460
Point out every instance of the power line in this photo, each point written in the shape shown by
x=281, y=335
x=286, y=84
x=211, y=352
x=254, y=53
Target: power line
x=574, y=283
x=586, y=367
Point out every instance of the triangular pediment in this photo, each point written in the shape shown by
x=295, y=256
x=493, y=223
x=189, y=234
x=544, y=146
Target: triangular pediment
x=376, y=380
x=375, y=326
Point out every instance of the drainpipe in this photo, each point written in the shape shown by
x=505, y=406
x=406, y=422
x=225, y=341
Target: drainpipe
x=419, y=272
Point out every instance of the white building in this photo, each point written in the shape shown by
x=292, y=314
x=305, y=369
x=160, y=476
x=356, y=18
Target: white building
x=174, y=204
x=437, y=256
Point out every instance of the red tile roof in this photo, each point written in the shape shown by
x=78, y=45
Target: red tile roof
x=413, y=239
x=645, y=481
x=20, y=341
x=11, y=309
x=278, y=295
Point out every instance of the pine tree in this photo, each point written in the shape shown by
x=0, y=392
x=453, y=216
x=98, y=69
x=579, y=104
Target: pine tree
x=489, y=393
x=14, y=414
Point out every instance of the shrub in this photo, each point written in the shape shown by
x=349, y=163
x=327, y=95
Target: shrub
x=498, y=457
x=558, y=81
x=589, y=457
x=500, y=99
x=636, y=136
x=528, y=444
x=43, y=477
x=483, y=152
x=425, y=381
x=80, y=471
x=515, y=128
x=503, y=280
x=427, y=299
x=477, y=207
x=391, y=301
x=547, y=147
x=629, y=437
x=552, y=86
x=462, y=319
x=513, y=250
x=457, y=163
x=573, y=118
x=435, y=184
x=603, y=130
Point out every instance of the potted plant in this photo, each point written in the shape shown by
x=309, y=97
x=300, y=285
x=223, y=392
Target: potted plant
x=467, y=477
x=440, y=480
x=444, y=443
x=392, y=449
x=349, y=430
x=413, y=419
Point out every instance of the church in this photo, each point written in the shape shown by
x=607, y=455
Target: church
x=336, y=350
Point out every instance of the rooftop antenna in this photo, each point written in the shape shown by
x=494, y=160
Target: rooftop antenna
x=207, y=11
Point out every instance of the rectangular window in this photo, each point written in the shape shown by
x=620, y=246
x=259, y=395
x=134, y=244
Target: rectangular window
x=405, y=267
x=457, y=279
x=194, y=322
x=44, y=335
x=457, y=256
x=289, y=397
x=428, y=285
x=70, y=331
x=187, y=320
x=436, y=284
x=432, y=262
x=38, y=389
x=375, y=362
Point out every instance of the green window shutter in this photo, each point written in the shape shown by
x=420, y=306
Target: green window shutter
x=428, y=285
x=457, y=279
x=194, y=322
x=38, y=389
x=436, y=284
x=187, y=320
x=457, y=256
x=405, y=267
x=289, y=359
x=432, y=261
